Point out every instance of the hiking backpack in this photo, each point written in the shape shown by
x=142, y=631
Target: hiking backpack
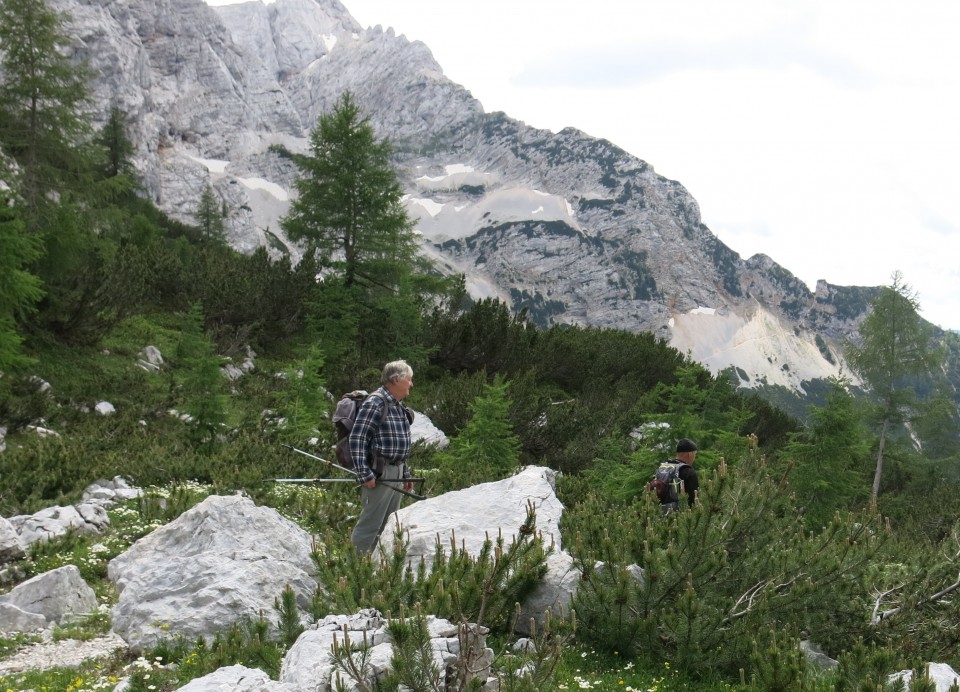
x=344, y=416
x=666, y=482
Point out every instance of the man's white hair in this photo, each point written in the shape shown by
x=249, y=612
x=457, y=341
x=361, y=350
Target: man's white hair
x=395, y=371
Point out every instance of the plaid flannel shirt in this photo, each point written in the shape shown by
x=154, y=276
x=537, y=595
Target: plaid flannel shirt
x=381, y=429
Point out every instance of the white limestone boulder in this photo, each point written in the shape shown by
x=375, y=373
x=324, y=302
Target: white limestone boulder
x=109, y=492
x=237, y=679
x=11, y=548
x=222, y=561
x=15, y=619
x=150, y=359
x=55, y=522
x=423, y=430
x=56, y=595
x=941, y=674
x=472, y=515
x=308, y=665
x=105, y=408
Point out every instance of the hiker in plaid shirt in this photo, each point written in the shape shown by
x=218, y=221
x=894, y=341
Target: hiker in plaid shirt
x=380, y=445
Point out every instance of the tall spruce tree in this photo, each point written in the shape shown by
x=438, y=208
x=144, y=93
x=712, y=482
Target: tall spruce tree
x=895, y=347
x=115, y=176
x=42, y=95
x=117, y=148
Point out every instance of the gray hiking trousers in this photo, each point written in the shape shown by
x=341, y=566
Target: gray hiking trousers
x=378, y=504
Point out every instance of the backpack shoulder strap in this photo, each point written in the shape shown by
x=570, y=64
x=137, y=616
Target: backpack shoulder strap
x=386, y=404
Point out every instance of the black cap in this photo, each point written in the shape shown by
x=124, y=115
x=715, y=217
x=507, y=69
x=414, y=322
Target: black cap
x=686, y=445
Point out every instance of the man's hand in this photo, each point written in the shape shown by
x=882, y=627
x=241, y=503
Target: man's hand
x=372, y=483
x=408, y=486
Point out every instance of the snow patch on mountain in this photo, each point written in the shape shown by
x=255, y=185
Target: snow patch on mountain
x=429, y=206
x=440, y=219
x=212, y=165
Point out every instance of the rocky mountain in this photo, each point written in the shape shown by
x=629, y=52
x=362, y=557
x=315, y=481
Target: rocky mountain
x=570, y=227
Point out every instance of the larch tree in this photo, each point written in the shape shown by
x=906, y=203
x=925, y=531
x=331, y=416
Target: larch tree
x=895, y=347
x=349, y=214
x=19, y=289
x=42, y=98
x=209, y=218
x=348, y=210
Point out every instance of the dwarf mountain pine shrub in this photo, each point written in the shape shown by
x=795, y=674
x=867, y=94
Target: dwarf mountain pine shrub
x=459, y=587
x=700, y=587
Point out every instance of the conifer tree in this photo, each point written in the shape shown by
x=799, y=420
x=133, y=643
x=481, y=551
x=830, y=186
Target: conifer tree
x=487, y=445
x=304, y=403
x=828, y=457
x=19, y=289
x=114, y=174
x=700, y=586
x=202, y=383
x=209, y=218
x=894, y=347
x=117, y=148
x=348, y=209
x=42, y=94
x=350, y=215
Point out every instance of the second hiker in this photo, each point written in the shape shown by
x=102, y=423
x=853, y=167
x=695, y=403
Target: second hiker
x=677, y=477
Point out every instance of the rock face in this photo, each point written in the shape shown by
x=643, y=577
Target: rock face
x=570, y=227
x=223, y=560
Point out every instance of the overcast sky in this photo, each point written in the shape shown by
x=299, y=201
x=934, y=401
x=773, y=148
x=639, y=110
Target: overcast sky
x=823, y=134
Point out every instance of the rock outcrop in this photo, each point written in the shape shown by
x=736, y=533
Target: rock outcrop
x=471, y=516
x=49, y=598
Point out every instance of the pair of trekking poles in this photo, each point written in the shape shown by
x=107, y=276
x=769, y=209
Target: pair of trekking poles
x=355, y=476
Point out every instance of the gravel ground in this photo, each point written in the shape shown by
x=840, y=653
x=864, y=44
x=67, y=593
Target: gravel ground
x=69, y=652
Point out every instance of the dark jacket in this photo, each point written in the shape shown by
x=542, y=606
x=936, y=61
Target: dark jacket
x=688, y=475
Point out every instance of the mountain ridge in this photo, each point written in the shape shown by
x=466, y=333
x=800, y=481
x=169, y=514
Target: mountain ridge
x=569, y=227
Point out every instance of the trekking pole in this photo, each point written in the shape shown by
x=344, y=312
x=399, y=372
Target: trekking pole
x=356, y=476
x=340, y=480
